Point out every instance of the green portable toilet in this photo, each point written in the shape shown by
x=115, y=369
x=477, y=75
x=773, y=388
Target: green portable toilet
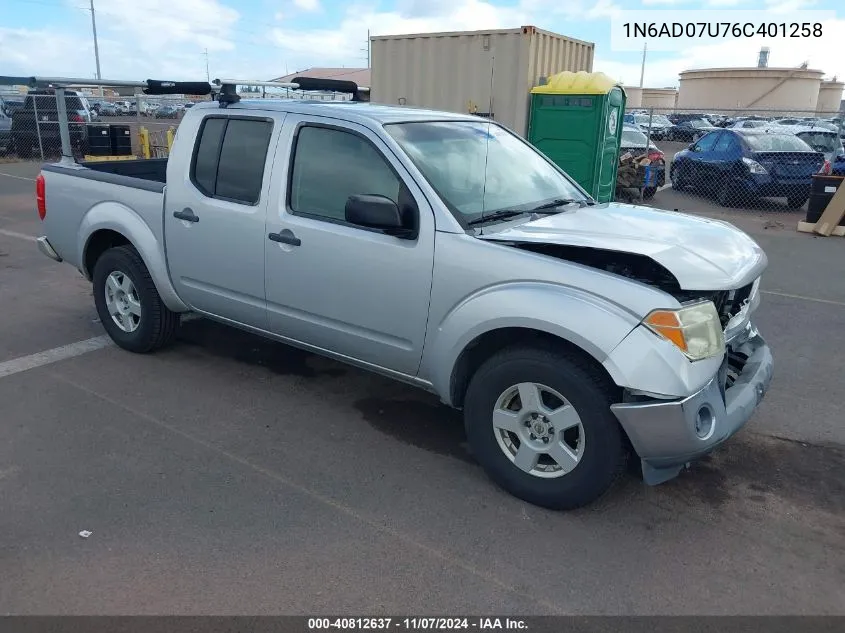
x=576, y=120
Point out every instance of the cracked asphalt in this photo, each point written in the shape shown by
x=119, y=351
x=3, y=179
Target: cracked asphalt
x=230, y=475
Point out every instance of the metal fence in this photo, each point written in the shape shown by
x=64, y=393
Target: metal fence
x=98, y=127
x=760, y=160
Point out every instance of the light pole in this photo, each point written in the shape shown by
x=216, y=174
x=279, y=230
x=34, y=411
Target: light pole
x=96, y=47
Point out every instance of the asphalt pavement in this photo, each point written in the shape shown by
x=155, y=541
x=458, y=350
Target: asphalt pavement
x=231, y=475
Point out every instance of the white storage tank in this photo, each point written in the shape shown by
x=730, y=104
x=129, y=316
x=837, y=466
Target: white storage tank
x=660, y=99
x=830, y=97
x=634, y=97
x=772, y=89
x=472, y=71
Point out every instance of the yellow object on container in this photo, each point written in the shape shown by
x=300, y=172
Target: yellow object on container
x=581, y=82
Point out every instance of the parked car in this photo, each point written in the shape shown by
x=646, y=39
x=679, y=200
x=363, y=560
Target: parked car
x=680, y=117
x=750, y=124
x=745, y=165
x=32, y=135
x=108, y=109
x=660, y=125
x=633, y=140
x=690, y=130
x=6, y=144
x=565, y=330
x=166, y=112
x=828, y=143
x=8, y=105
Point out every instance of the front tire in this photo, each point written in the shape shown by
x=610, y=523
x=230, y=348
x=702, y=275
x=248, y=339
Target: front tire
x=540, y=424
x=128, y=303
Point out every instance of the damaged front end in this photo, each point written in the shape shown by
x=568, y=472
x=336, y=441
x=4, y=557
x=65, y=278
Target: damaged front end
x=667, y=432
x=641, y=268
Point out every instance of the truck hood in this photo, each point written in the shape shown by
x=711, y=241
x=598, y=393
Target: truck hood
x=701, y=253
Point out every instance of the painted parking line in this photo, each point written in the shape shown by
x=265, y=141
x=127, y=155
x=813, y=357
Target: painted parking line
x=50, y=356
x=15, y=234
x=802, y=297
x=16, y=177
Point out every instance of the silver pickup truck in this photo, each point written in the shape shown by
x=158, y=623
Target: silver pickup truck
x=444, y=251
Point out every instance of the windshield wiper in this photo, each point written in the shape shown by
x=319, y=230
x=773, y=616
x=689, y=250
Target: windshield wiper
x=497, y=215
x=559, y=202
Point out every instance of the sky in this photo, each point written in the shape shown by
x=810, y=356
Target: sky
x=263, y=39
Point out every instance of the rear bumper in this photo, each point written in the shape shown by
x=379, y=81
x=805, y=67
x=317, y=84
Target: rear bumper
x=667, y=435
x=47, y=249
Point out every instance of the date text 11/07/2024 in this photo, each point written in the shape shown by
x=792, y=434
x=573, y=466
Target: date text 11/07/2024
x=722, y=29
x=417, y=624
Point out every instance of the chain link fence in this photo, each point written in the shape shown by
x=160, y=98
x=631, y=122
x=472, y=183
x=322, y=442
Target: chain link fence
x=759, y=160
x=100, y=127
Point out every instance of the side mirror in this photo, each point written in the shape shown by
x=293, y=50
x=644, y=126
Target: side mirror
x=691, y=147
x=375, y=212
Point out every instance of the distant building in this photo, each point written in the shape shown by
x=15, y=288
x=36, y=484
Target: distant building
x=360, y=76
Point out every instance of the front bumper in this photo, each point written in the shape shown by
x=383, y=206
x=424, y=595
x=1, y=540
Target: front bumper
x=667, y=435
x=47, y=249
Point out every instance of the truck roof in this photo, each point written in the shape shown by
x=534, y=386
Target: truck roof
x=356, y=111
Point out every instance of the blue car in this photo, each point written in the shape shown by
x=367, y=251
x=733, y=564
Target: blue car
x=748, y=164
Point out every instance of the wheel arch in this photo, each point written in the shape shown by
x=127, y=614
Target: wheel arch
x=108, y=225
x=487, y=344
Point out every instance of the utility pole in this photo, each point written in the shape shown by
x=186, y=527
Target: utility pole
x=207, y=74
x=642, y=70
x=96, y=47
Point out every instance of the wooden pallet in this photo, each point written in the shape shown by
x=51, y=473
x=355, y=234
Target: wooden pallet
x=809, y=227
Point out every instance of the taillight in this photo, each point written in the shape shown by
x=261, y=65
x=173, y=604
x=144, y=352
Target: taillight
x=655, y=155
x=826, y=168
x=41, y=196
x=76, y=118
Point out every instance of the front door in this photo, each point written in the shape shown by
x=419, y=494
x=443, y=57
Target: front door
x=214, y=220
x=351, y=290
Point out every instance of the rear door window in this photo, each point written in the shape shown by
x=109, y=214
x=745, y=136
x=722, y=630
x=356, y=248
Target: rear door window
x=707, y=143
x=229, y=158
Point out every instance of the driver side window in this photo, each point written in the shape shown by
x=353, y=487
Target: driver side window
x=330, y=165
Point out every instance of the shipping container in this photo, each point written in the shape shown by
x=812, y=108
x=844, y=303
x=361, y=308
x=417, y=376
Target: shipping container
x=490, y=73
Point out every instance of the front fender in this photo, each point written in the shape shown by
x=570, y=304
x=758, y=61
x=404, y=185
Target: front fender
x=122, y=219
x=586, y=320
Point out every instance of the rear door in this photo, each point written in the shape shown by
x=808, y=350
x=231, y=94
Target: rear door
x=215, y=214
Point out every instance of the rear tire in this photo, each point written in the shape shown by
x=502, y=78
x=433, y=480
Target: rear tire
x=520, y=449
x=128, y=303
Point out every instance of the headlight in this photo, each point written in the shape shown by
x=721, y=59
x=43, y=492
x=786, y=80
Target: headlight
x=753, y=166
x=694, y=329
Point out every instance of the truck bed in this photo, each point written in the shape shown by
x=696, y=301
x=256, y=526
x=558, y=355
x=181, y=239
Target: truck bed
x=81, y=198
x=151, y=169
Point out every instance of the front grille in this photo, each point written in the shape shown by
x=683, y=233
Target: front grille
x=729, y=302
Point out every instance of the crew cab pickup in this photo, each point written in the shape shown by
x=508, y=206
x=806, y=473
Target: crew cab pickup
x=444, y=251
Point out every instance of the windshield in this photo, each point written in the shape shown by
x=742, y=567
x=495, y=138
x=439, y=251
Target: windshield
x=700, y=123
x=478, y=173
x=822, y=142
x=777, y=143
x=633, y=138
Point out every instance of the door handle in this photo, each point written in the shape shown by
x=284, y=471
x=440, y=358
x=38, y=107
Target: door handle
x=186, y=214
x=285, y=236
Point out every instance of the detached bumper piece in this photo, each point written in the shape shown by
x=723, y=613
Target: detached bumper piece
x=45, y=247
x=668, y=435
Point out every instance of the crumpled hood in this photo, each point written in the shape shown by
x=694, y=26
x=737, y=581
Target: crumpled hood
x=702, y=254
